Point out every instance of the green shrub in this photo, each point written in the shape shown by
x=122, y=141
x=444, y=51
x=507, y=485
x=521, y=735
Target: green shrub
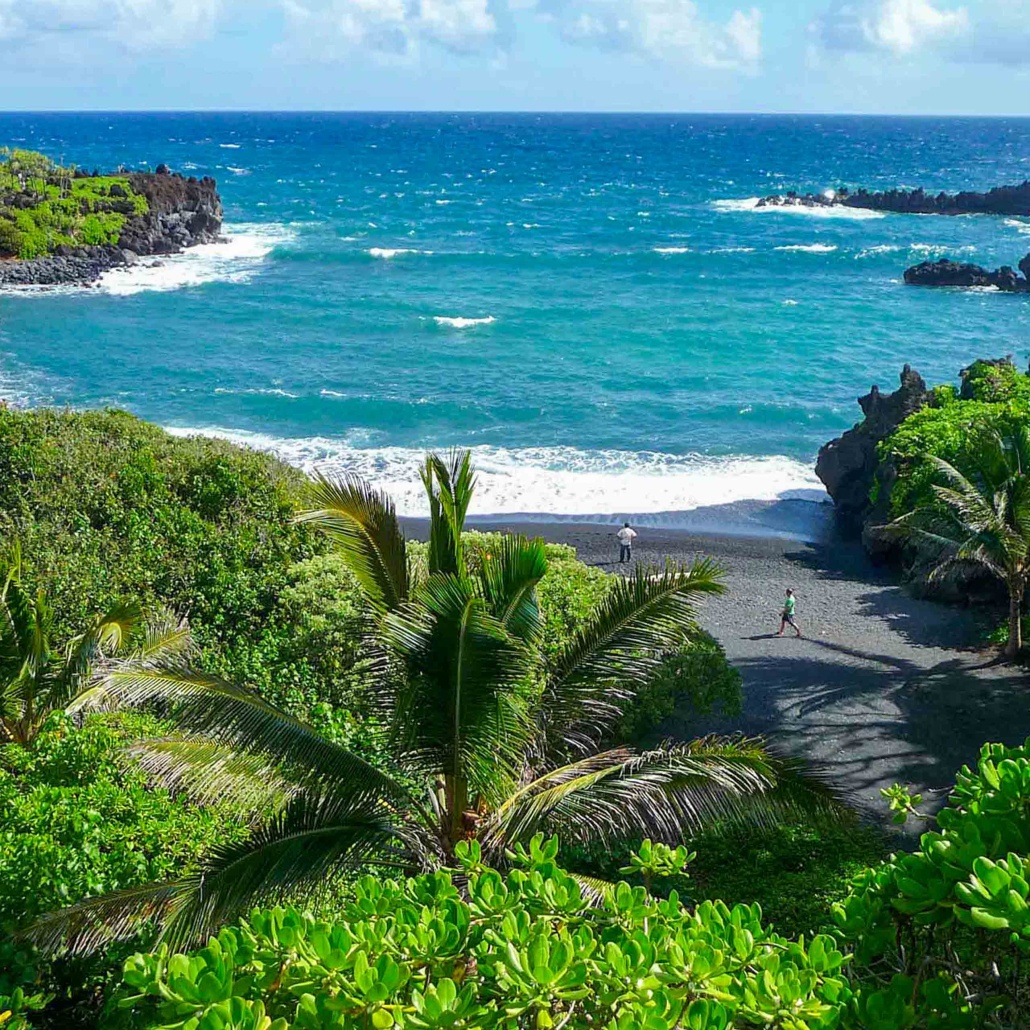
x=76, y=820
x=521, y=950
x=950, y=922
x=109, y=507
x=998, y=397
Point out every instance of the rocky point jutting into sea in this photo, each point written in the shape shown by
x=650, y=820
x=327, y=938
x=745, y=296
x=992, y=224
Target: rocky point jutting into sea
x=1002, y=200
x=181, y=212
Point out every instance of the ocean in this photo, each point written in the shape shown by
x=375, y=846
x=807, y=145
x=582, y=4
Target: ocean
x=592, y=303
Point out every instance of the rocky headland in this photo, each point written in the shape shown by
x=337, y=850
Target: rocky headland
x=181, y=212
x=859, y=475
x=956, y=273
x=1002, y=200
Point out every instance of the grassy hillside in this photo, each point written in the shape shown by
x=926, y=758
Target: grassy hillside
x=44, y=206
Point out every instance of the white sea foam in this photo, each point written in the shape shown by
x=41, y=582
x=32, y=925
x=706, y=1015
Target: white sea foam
x=671, y=250
x=390, y=252
x=237, y=260
x=1019, y=225
x=883, y=248
x=789, y=303
x=238, y=171
x=463, y=323
x=809, y=248
x=836, y=211
x=272, y=391
x=229, y=146
x=733, y=250
x=556, y=480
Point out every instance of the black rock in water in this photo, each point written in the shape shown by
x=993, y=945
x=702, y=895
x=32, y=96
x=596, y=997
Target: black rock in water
x=956, y=273
x=1002, y=200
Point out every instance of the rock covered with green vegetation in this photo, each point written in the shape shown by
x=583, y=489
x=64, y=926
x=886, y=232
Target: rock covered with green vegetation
x=61, y=225
x=885, y=467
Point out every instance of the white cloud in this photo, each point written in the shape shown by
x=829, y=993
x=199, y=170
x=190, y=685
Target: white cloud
x=972, y=32
x=391, y=26
x=132, y=24
x=668, y=29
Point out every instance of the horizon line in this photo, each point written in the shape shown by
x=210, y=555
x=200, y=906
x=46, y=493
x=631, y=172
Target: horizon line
x=503, y=111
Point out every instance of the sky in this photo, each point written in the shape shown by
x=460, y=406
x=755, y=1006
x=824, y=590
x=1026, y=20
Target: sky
x=817, y=56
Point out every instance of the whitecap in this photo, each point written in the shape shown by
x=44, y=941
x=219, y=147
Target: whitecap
x=229, y=146
x=671, y=250
x=236, y=260
x=1019, y=225
x=817, y=211
x=273, y=391
x=390, y=252
x=883, y=248
x=808, y=248
x=457, y=322
x=238, y=171
x=789, y=303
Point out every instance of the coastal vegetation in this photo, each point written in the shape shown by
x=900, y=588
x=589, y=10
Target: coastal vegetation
x=44, y=206
x=375, y=854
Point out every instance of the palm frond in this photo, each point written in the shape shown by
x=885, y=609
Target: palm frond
x=666, y=793
x=363, y=522
x=619, y=647
x=296, y=852
x=509, y=579
x=449, y=485
x=166, y=641
x=204, y=705
x=462, y=708
x=107, y=634
x=246, y=782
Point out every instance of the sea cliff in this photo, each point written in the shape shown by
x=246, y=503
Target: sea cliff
x=60, y=227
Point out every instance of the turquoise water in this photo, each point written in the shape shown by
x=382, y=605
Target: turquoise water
x=590, y=302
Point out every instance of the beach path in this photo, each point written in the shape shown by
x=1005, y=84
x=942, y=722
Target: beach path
x=884, y=687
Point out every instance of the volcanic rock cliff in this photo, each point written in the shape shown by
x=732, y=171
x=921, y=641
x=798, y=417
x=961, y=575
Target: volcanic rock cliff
x=182, y=212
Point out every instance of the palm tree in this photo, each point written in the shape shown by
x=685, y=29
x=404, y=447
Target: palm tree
x=36, y=679
x=983, y=516
x=488, y=742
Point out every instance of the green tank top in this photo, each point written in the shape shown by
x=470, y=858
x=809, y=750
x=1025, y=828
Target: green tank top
x=788, y=606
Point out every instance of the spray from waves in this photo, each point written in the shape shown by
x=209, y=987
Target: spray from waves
x=751, y=204
x=457, y=322
x=237, y=260
x=808, y=248
x=563, y=481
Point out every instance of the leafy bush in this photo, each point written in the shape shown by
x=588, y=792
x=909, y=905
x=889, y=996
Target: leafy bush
x=522, y=950
x=948, y=925
x=77, y=820
x=994, y=395
x=108, y=507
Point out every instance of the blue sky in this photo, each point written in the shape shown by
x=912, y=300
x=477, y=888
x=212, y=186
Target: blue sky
x=864, y=56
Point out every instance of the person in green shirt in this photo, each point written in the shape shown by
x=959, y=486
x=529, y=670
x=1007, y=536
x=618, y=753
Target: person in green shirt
x=787, y=618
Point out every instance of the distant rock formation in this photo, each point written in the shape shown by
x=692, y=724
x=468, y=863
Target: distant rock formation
x=848, y=465
x=955, y=273
x=1002, y=200
x=182, y=212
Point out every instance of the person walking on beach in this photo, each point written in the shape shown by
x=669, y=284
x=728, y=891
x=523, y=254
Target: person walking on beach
x=626, y=537
x=787, y=618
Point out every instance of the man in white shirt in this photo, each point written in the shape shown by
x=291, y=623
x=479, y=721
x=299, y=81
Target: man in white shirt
x=626, y=537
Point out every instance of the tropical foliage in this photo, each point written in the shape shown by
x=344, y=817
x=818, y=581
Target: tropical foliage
x=488, y=742
x=981, y=515
x=37, y=680
x=44, y=206
x=522, y=949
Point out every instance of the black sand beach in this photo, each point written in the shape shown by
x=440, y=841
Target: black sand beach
x=884, y=687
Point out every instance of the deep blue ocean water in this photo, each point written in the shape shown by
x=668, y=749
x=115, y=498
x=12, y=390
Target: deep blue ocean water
x=589, y=301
